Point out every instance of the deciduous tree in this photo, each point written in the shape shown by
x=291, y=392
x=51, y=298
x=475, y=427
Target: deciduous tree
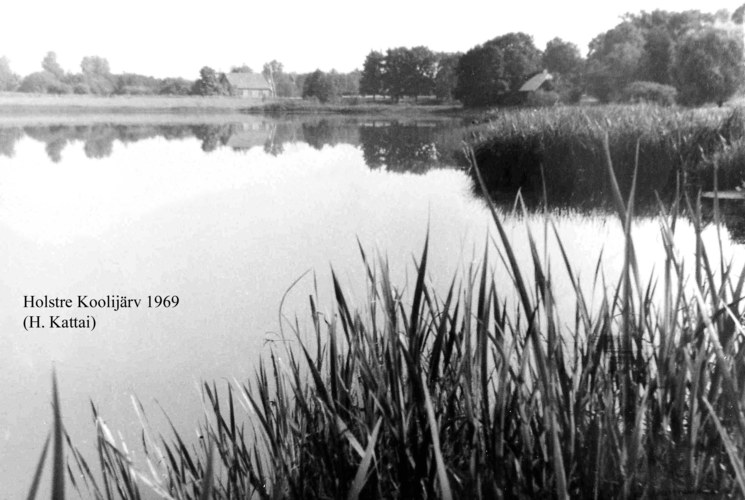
x=8, y=79
x=446, y=77
x=51, y=65
x=562, y=57
x=487, y=71
x=319, y=85
x=372, y=78
x=480, y=74
x=210, y=83
x=614, y=60
x=709, y=66
x=95, y=65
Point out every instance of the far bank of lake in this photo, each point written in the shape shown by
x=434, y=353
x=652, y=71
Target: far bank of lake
x=24, y=104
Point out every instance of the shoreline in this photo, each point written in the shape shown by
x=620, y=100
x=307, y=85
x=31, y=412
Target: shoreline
x=36, y=104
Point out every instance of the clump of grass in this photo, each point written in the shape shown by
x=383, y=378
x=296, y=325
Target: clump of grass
x=415, y=395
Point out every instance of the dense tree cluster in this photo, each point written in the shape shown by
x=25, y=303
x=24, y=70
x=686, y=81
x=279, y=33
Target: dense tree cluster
x=408, y=72
x=489, y=71
x=699, y=54
x=689, y=57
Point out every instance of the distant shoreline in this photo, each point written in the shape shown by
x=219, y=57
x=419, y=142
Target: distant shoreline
x=34, y=104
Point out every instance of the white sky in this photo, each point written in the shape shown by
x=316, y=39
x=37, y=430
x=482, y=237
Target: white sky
x=176, y=38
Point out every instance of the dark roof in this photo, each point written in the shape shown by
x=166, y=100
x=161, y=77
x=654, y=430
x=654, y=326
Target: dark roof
x=536, y=81
x=254, y=81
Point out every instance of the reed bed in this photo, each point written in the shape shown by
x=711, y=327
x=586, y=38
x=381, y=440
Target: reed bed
x=523, y=148
x=415, y=395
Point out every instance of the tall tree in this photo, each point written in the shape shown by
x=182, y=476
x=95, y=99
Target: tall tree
x=409, y=72
x=446, y=78
x=398, y=72
x=96, y=76
x=319, y=85
x=614, y=59
x=487, y=71
x=272, y=71
x=51, y=65
x=709, y=66
x=210, y=82
x=738, y=16
x=95, y=65
x=480, y=74
x=424, y=70
x=561, y=57
x=657, y=60
x=520, y=56
x=8, y=79
x=372, y=78
x=563, y=60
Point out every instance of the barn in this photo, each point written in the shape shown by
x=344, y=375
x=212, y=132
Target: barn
x=249, y=85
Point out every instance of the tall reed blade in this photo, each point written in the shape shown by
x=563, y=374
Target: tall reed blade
x=361, y=476
x=58, y=460
x=39, y=469
x=207, y=481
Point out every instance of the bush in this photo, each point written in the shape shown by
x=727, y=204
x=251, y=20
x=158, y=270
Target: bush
x=649, y=92
x=59, y=88
x=542, y=98
x=81, y=89
x=40, y=82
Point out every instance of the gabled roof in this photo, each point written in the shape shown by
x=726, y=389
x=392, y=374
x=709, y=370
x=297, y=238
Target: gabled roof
x=255, y=81
x=536, y=81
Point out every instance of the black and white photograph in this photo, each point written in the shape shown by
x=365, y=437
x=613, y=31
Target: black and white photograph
x=392, y=250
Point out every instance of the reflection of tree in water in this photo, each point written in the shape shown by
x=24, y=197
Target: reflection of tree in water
x=407, y=147
x=329, y=133
x=400, y=147
x=8, y=138
x=732, y=215
x=100, y=142
x=213, y=136
x=55, y=138
x=54, y=149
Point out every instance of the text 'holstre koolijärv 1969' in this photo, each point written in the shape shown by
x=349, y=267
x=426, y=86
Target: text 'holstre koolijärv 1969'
x=79, y=311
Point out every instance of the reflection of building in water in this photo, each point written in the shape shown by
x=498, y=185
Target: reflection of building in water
x=250, y=135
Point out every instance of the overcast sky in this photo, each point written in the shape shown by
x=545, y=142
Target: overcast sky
x=176, y=38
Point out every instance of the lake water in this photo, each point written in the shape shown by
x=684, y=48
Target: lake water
x=225, y=214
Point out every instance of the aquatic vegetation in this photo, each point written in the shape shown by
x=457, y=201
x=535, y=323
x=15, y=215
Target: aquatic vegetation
x=522, y=148
x=485, y=392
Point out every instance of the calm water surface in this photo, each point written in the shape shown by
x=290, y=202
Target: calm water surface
x=225, y=216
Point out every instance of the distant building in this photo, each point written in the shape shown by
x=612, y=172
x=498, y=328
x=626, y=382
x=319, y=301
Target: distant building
x=249, y=85
x=538, y=81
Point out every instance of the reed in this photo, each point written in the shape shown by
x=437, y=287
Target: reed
x=523, y=148
x=417, y=395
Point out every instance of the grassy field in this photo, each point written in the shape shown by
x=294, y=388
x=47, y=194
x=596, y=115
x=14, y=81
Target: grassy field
x=18, y=103
x=414, y=395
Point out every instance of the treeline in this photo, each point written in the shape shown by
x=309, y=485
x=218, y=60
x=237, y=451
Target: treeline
x=95, y=78
x=690, y=57
x=325, y=86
